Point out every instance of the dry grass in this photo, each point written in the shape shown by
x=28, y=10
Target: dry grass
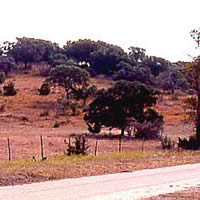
x=189, y=194
x=23, y=123
x=61, y=166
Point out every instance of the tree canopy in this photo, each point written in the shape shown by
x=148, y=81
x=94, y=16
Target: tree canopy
x=32, y=50
x=116, y=105
x=71, y=78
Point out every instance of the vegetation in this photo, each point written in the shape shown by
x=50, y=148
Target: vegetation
x=9, y=89
x=78, y=147
x=71, y=78
x=45, y=89
x=128, y=105
x=116, y=105
x=28, y=50
x=192, y=71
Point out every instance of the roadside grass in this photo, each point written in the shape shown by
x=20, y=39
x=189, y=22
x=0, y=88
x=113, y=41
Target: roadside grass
x=62, y=166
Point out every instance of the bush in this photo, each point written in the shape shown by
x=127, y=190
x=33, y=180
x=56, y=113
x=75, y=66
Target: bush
x=75, y=107
x=9, y=89
x=63, y=106
x=149, y=129
x=45, y=89
x=56, y=125
x=2, y=77
x=45, y=70
x=189, y=144
x=167, y=143
x=78, y=147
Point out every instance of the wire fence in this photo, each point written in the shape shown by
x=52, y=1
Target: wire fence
x=39, y=147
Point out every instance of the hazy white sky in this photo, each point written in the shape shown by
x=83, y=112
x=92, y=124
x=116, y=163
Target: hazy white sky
x=160, y=26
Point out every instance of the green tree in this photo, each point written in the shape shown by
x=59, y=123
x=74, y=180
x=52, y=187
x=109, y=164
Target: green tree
x=31, y=50
x=71, y=78
x=171, y=80
x=115, y=106
x=80, y=50
x=105, y=59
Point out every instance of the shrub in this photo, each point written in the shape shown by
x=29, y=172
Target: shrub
x=189, y=144
x=56, y=125
x=45, y=89
x=149, y=129
x=167, y=143
x=44, y=70
x=2, y=107
x=63, y=106
x=78, y=147
x=9, y=89
x=2, y=77
x=75, y=107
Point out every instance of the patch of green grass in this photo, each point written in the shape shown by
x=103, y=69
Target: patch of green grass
x=18, y=164
x=63, y=159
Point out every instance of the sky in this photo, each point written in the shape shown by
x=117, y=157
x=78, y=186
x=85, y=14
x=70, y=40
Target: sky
x=162, y=27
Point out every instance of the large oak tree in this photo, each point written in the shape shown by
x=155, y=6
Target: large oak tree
x=114, y=107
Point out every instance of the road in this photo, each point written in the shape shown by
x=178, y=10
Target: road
x=130, y=185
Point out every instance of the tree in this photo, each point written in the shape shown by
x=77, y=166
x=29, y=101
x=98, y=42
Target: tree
x=133, y=73
x=105, y=59
x=57, y=59
x=99, y=57
x=192, y=70
x=80, y=50
x=85, y=93
x=71, y=78
x=157, y=65
x=32, y=50
x=113, y=107
x=172, y=79
x=137, y=55
x=7, y=64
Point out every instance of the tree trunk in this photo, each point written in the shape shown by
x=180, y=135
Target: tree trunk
x=198, y=120
x=122, y=132
x=25, y=65
x=67, y=94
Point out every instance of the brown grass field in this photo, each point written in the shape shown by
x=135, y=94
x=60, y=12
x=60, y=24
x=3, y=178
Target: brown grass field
x=23, y=121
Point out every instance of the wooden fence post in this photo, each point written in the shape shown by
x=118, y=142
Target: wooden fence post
x=96, y=147
x=42, y=147
x=69, y=146
x=142, y=144
x=9, y=150
x=120, y=143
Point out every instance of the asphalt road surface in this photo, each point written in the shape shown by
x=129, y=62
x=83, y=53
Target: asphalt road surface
x=131, y=185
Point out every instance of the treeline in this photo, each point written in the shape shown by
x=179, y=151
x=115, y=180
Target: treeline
x=97, y=58
x=127, y=105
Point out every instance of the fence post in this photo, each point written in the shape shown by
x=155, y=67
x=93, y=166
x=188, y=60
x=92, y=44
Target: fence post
x=96, y=147
x=142, y=144
x=70, y=150
x=120, y=143
x=9, y=150
x=42, y=147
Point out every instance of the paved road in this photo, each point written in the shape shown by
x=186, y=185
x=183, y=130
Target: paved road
x=132, y=185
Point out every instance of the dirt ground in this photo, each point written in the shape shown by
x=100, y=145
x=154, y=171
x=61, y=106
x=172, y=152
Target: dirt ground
x=29, y=115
